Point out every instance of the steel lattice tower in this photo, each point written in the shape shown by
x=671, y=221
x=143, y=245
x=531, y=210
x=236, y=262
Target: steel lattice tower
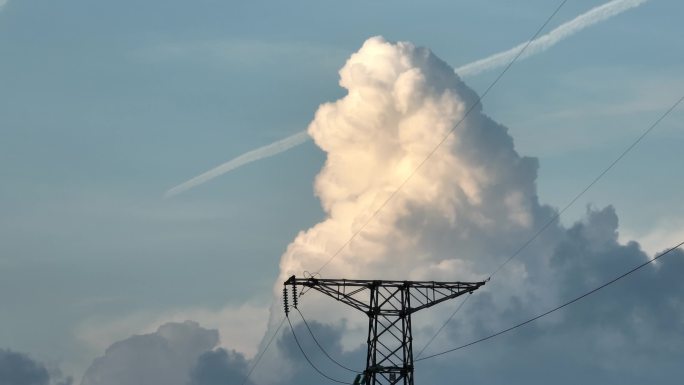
x=388, y=305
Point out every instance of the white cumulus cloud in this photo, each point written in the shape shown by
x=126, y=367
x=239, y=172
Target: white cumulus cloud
x=458, y=217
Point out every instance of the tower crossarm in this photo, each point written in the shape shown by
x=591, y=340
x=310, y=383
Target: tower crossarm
x=425, y=294
x=354, y=293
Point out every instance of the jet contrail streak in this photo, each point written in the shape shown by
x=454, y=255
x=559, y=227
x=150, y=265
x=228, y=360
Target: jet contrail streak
x=538, y=45
x=248, y=157
x=544, y=42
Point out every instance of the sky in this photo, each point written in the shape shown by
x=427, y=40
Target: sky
x=105, y=106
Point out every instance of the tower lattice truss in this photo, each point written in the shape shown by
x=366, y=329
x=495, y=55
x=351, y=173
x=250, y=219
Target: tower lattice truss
x=389, y=306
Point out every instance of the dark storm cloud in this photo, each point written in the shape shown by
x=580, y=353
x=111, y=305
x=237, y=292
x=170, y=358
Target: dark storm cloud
x=218, y=367
x=629, y=333
x=19, y=369
x=329, y=337
x=176, y=354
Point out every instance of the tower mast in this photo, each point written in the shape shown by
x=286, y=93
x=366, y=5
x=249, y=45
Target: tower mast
x=388, y=305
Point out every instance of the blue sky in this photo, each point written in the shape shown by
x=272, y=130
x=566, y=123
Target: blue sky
x=106, y=105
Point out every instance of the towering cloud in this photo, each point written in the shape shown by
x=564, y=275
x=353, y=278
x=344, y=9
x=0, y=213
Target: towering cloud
x=467, y=206
x=458, y=217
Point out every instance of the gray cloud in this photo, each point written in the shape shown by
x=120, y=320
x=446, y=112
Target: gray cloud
x=19, y=369
x=218, y=367
x=164, y=357
x=629, y=333
x=651, y=301
x=330, y=338
x=176, y=354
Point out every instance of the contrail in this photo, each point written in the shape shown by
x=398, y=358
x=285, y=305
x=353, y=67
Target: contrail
x=538, y=45
x=248, y=157
x=544, y=42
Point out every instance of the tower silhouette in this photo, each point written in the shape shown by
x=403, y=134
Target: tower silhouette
x=389, y=306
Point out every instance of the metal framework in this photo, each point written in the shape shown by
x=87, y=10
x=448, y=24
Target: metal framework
x=389, y=305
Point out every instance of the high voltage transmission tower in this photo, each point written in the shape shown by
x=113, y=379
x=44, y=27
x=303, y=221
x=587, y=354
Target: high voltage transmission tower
x=388, y=305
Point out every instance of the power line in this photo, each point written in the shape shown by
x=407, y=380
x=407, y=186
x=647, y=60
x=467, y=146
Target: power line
x=307, y=357
x=321, y=347
x=258, y=359
x=590, y=185
x=567, y=206
x=451, y=131
x=554, y=309
x=460, y=305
